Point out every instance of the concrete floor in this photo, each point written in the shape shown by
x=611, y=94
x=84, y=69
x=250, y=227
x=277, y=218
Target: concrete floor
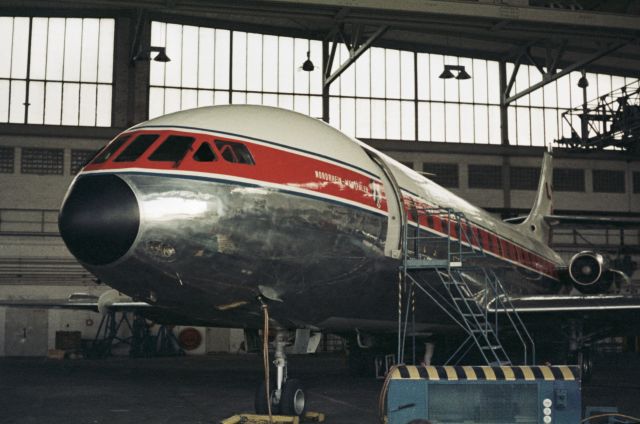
x=208, y=389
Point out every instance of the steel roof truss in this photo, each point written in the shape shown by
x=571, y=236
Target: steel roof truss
x=356, y=49
x=550, y=75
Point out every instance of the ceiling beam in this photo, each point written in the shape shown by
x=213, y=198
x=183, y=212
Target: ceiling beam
x=354, y=53
x=567, y=70
x=476, y=10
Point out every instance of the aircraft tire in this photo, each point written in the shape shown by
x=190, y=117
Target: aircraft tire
x=585, y=362
x=260, y=400
x=293, y=400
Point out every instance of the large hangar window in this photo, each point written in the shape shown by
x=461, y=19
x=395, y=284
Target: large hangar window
x=386, y=94
x=452, y=110
x=375, y=97
x=214, y=66
x=398, y=95
x=56, y=71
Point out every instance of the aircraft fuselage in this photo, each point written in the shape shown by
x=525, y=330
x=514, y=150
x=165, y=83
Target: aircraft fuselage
x=202, y=211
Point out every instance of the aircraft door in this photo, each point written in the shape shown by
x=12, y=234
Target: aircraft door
x=395, y=222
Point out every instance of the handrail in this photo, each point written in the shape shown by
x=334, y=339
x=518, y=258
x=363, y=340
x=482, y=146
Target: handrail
x=507, y=306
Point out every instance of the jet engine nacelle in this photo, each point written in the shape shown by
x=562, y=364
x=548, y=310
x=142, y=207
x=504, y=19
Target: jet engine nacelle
x=590, y=272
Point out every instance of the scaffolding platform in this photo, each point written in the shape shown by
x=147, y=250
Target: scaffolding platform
x=438, y=244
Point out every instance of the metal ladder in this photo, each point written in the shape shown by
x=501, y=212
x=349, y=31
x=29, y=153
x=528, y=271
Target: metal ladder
x=475, y=319
x=443, y=250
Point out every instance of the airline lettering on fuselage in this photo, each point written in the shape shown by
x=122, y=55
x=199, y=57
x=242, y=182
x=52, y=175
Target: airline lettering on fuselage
x=376, y=189
x=353, y=185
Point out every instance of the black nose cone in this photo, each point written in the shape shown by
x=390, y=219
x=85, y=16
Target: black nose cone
x=99, y=219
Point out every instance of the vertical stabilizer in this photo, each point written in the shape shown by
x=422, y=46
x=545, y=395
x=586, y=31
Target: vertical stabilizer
x=535, y=224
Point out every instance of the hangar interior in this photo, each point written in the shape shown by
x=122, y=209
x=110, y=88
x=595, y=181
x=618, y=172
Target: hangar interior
x=469, y=92
x=75, y=75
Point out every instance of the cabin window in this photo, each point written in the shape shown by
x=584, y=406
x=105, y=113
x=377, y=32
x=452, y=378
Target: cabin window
x=520, y=254
x=491, y=242
x=512, y=252
x=496, y=244
x=475, y=238
x=111, y=149
x=484, y=239
x=504, y=248
x=136, y=148
x=429, y=221
x=174, y=149
x=235, y=152
x=205, y=153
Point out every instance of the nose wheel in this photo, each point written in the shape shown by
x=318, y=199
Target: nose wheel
x=286, y=396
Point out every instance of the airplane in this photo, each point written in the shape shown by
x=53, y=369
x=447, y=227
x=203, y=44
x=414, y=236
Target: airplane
x=213, y=215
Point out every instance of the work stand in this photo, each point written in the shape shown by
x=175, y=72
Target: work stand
x=132, y=329
x=443, y=258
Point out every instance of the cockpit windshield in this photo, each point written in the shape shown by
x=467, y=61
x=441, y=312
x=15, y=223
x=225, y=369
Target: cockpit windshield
x=106, y=154
x=205, y=153
x=173, y=149
x=136, y=148
x=235, y=152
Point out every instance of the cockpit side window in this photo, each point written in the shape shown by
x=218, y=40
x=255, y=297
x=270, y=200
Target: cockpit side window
x=173, y=149
x=205, y=153
x=136, y=148
x=111, y=149
x=235, y=152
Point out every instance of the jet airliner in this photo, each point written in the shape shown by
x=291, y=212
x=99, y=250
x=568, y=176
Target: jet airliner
x=207, y=213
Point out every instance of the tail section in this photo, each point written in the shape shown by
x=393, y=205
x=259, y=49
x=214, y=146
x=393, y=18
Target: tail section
x=535, y=224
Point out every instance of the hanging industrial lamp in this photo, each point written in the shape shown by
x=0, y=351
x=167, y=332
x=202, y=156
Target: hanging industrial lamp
x=308, y=66
x=462, y=73
x=145, y=55
x=583, y=82
x=446, y=74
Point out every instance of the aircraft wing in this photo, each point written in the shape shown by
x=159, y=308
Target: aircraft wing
x=600, y=316
x=585, y=221
x=593, y=221
x=110, y=300
x=80, y=301
x=49, y=304
x=574, y=303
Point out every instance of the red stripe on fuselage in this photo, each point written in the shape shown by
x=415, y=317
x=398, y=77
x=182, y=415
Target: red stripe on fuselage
x=489, y=241
x=272, y=165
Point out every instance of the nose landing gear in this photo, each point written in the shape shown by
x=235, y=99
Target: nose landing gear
x=286, y=396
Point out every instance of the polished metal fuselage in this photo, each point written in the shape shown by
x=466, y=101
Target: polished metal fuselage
x=206, y=250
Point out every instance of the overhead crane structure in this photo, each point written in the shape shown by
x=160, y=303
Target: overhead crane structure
x=610, y=120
